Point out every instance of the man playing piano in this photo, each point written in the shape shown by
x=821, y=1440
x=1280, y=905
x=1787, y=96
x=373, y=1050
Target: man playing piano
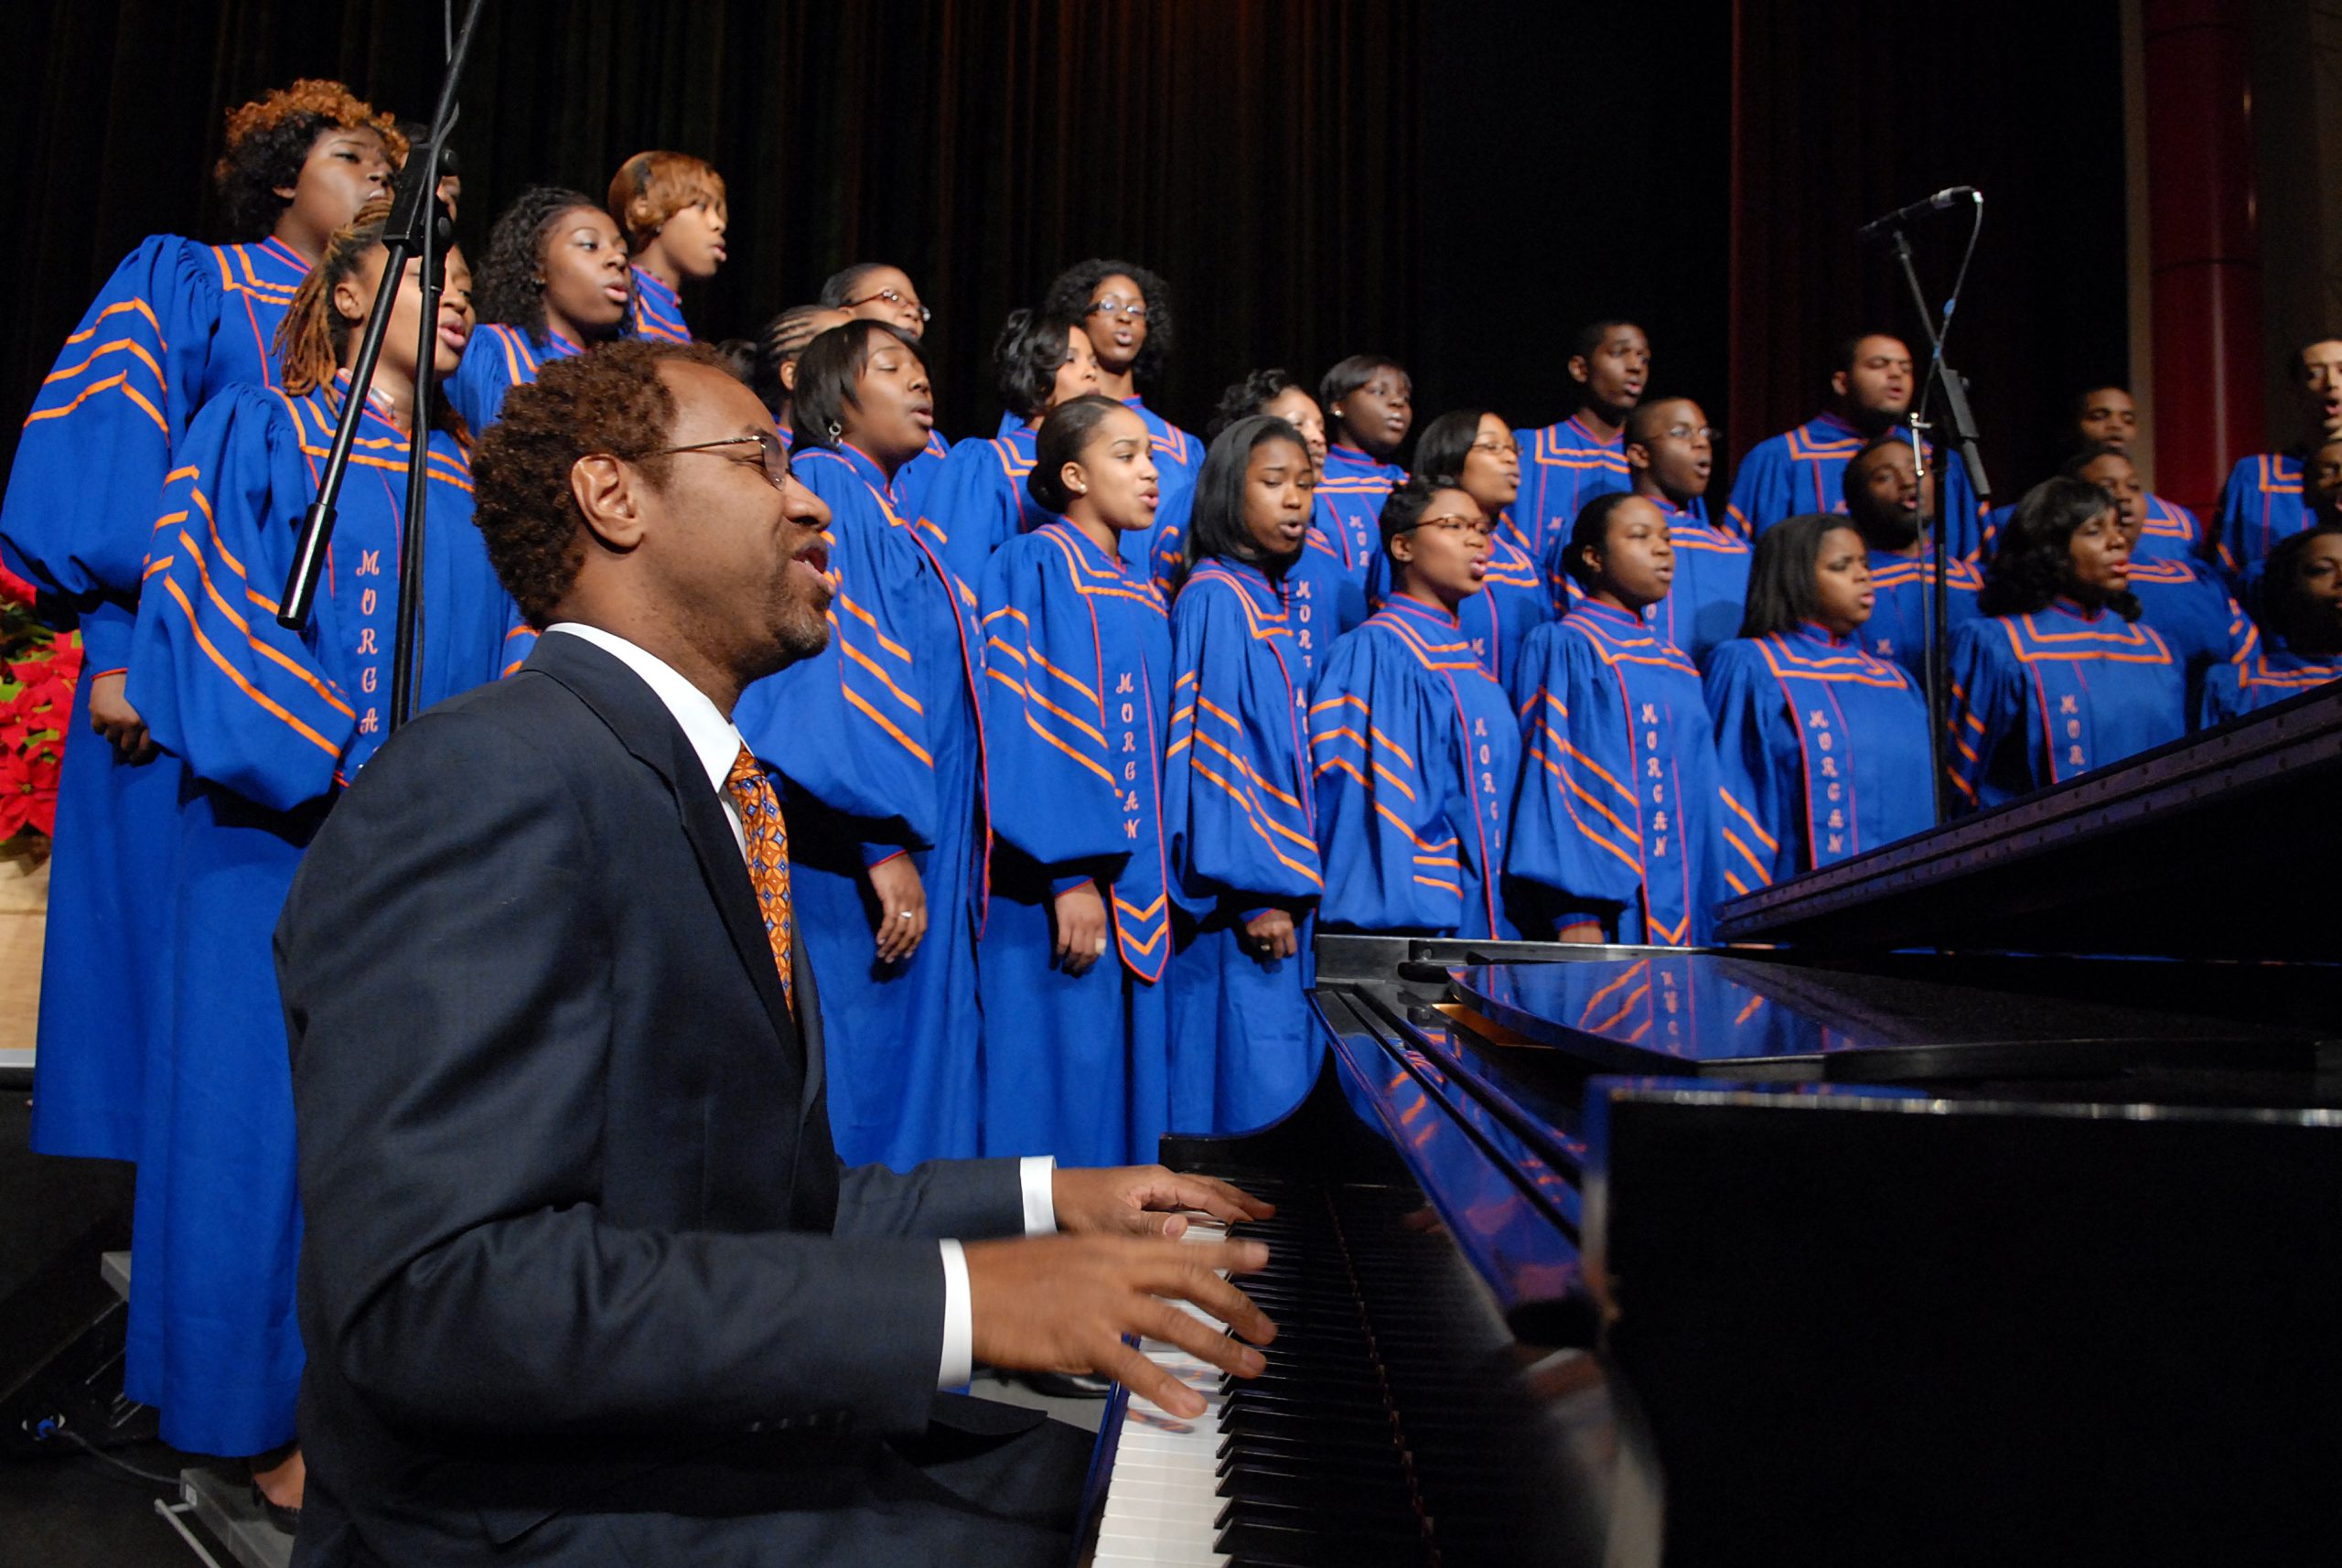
x=583, y=1281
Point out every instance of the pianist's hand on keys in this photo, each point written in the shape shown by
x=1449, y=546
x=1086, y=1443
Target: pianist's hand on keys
x=1063, y=1304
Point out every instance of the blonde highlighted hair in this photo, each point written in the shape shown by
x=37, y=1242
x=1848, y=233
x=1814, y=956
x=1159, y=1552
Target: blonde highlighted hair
x=269, y=139
x=650, y=187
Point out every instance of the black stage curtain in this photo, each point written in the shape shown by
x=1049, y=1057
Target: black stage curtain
x=1845, y=108
x=1261, y=157
x=1460, y=184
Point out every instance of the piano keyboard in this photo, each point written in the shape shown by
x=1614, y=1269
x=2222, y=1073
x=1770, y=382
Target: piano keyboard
x=1365, y=1419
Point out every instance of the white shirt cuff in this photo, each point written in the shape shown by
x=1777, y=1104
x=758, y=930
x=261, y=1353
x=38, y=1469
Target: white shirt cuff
x=1038, y=1173
x=958, y=1363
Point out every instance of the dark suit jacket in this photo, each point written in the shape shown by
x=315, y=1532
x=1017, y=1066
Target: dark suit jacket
x=575, y=1239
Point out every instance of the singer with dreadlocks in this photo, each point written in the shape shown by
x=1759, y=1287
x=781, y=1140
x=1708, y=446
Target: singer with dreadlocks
x=267, y=725
x=177, y=321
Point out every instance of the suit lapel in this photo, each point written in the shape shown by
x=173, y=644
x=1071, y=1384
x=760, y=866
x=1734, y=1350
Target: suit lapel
x=642, y=723
x=809, y=1028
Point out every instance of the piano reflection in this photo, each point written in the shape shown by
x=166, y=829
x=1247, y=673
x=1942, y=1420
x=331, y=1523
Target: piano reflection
x=1910, y=1236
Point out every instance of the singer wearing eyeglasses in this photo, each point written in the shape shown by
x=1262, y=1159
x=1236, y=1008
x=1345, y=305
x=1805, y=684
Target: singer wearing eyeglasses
x=1474, y=449
x=1126, y=310
x=1413, y=744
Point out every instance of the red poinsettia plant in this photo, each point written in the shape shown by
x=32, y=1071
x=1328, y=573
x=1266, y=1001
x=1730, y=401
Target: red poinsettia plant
x=37, y=669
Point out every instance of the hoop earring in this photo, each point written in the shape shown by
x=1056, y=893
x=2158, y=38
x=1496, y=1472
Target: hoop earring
x=837, y=432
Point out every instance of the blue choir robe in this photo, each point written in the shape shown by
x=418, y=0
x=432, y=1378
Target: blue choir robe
x=1237, y=817
x=2271, y=672
x=1077, y=706
x=176, y=323
x=2171, y=533
x=1616, y=816
x=1413, y=752
x=1902, y=587
x=1823, y=753
x=1512, y=602
x=1323, y=595
x=657, y=312
x=1353, y=486
x=2202, y=623
x=2039, y=699
x=978, y=501
x=909, y=491
x=879, y=745
x=2261, y=504
x=498, y=359
x=1703, y=603
x=1178, y=459
x=1563, y=466
x=265, y=724
x=1803, y=471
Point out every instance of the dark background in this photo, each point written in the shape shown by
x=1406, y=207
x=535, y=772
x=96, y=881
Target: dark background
x=1456, y=182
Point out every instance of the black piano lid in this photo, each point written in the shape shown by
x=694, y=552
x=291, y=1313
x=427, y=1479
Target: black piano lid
x=1706, y=1014
x=2203, y=848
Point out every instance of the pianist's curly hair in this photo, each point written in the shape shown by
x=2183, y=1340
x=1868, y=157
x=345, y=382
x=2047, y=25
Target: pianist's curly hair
x=2033, y=564
x=610, y=402
x=313, y=336
x=269, y=139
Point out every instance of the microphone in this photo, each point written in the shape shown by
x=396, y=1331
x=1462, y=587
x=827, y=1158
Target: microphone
x=1942, y=199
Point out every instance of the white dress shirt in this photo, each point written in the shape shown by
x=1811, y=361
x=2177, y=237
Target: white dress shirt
x=716, y=742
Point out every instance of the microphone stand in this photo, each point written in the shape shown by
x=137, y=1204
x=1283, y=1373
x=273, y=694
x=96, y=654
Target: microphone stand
x=1941, y=378
x=418, y=229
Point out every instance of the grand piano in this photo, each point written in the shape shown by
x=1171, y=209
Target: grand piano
x=1909, y=1226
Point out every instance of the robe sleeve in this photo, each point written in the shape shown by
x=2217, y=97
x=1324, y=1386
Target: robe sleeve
x=1987, y=701
x=843, y=729
x=1574, y=818
x=241, y=700
x=491, y=367
x=1760, y=793
x=2223, y=697
x=1760, y=490
x=1379, y=766
x=970, y=509
x=519, y=641
x=1167, y=555
x=1053, y=790
x=91, y=457
x=1964, y=514
x=2244, y=504
x=1232, y=813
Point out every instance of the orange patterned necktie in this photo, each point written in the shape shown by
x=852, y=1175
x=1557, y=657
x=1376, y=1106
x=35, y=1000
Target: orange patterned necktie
x=767, y=847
